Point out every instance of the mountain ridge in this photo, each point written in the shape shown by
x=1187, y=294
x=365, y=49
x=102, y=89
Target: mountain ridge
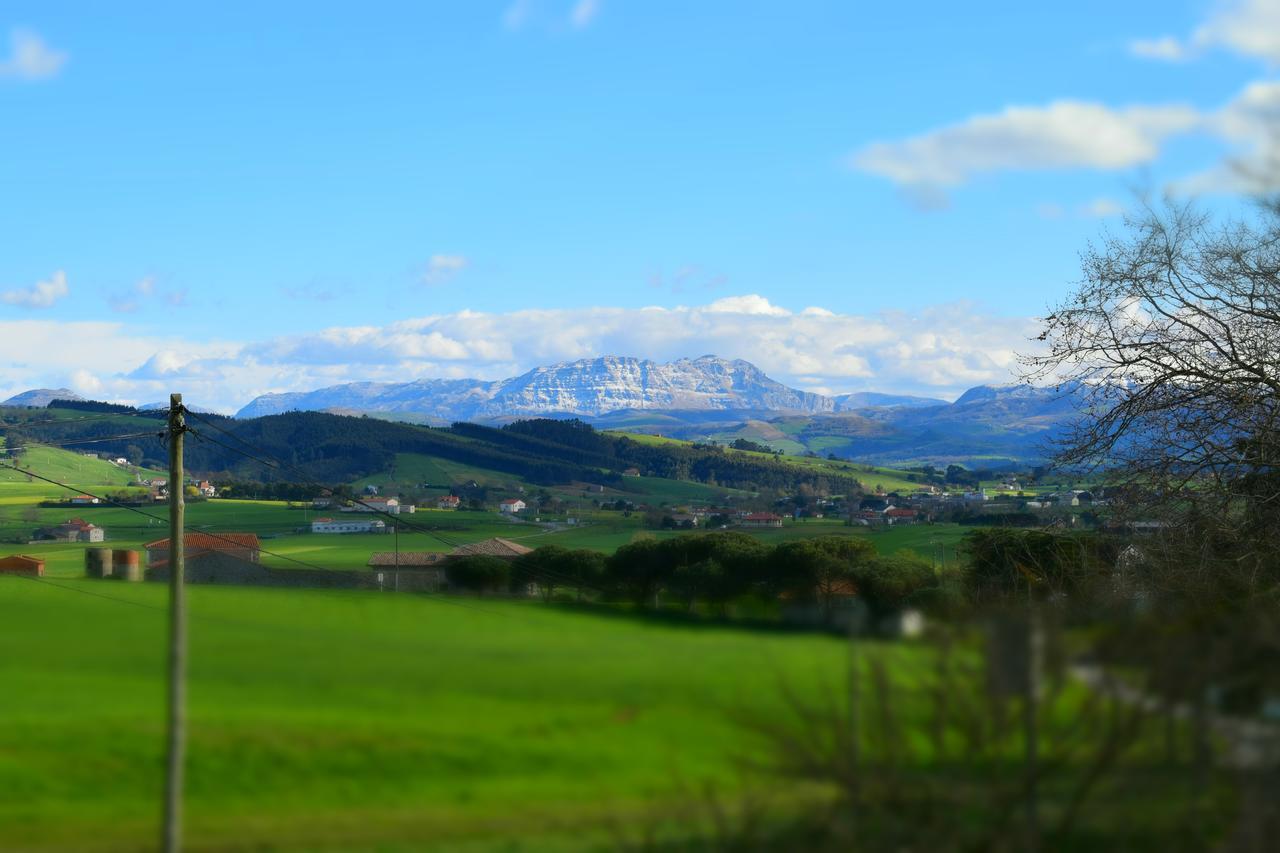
x=585, y=387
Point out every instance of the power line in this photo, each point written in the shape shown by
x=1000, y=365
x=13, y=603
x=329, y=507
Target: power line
x=276, y=464
x=48, y=582
x=157, y=414
x=222, y=538
x=269, y=461
x=71, y=441
x=165, y=520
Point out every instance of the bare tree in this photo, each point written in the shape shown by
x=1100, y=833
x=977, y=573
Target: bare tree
x=1173, y=341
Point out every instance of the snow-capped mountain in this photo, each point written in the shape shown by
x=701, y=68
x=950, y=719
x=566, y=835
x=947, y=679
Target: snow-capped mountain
x=40, y=397
x=588, y=387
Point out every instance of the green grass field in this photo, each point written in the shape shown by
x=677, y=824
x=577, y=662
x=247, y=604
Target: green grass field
x=68, y=467
x=361, y=721
x=287, y=542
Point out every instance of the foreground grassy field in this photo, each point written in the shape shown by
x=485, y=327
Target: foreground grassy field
x=361, y=721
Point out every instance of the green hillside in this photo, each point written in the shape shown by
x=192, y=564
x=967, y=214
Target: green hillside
x=367, y=721
x=69, y=467
x=870, y=476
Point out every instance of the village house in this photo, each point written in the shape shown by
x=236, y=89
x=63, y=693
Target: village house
x=238, y=546
x=448, y=502
x=84, y=500
x=422, y=570
x=631, y=472
x=211, y=558
x=761, y=519
x=329, y=525
x=207, y=489
x=511, y=506
x=901, y=515
x=321, y=503
x=20, y=564
x=496, y=547
x=72, y=530
x=390, y=506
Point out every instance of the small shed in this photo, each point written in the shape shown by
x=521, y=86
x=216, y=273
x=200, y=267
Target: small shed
x=21, y=564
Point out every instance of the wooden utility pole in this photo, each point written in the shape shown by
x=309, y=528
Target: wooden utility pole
x=177, y=722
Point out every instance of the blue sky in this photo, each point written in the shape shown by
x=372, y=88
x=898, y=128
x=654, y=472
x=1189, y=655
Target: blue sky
x=273, y=196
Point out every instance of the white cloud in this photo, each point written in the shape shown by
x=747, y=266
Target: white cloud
x=1250, y=123
x=583, y=13
x=30, y=58
x=1102, y=207
x=43, y=294
x=1062, y=135
x=752, y=304
x=1247, y=27
x=441, y=268
x=939, y=351
x=1165, y=48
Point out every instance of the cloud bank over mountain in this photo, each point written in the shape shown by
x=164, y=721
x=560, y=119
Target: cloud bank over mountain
x=937, y=352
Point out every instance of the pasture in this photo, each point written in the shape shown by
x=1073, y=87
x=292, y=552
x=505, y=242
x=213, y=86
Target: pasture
x=360, y=720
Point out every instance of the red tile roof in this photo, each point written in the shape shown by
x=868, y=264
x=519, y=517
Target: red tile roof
x=211, y=542
x=496, y=547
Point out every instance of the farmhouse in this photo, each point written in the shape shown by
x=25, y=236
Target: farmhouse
x=84, y=500
x=496, y=547
x=900, y=515
x=411, y=570
x=761, y=519
x=631, y=472
x=207, y=489
x=72, y=530
x=329, y=525
x=20, y=564
x=448, y=502
x=867, y=517
x=391, y=506
x=239, y=546
x=511, y=506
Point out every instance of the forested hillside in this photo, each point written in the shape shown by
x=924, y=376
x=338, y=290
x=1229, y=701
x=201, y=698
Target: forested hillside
x=339, y=449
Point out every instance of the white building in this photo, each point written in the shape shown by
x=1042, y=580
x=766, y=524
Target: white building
x=511, y=506
x=387, y=505
x=348, y=525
